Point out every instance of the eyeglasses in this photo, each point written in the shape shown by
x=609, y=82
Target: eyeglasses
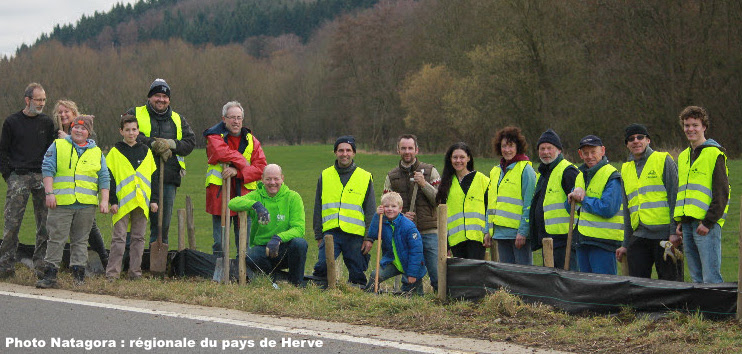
x=636, y=137
x=234, y=117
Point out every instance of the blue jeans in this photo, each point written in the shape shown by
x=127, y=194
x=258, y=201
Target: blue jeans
x=167, y=210
x=216, y=226
x=510, y=254
x=350, y=246
x=703, y=253
x=593, y=259
x=430, y=254
x=389, y=271
x=291, y=255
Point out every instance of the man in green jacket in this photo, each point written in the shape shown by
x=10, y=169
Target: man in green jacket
x=277, y=238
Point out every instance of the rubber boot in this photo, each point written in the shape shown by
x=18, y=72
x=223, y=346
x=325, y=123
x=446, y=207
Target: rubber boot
x=50, y=278
x=78, y=274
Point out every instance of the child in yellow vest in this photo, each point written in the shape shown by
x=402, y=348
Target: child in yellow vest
x=131, y=166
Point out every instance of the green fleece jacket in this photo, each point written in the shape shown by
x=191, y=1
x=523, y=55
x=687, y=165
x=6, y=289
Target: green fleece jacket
x=286, y=210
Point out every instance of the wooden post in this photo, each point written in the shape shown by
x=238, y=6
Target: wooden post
x=568, y=253
x=625, y=266
x=191, y=224
x=181, y=229
x=228, y=225
x=494, y=253
x=739, y=269
x=442, y=251
x=330, y=261
x=548, y=250
x=242, y=249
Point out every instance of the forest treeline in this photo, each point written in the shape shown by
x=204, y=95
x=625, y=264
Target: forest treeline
x=445, y=70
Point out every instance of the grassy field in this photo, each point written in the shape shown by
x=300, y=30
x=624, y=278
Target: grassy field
x=302, y=166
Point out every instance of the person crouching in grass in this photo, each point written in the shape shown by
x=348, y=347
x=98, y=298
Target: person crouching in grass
x=131, y=164
x=401, y=244
x=74, y=169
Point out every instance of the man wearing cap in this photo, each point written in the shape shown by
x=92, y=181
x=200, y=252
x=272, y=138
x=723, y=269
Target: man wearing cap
x=556, y=179
x=599, y=214
x=412, y=174
x=344, y=205
x=25, y=137
x=703, y=197
x=74, y=170
x=651, y=183
x=228, y=142
x=166, y=133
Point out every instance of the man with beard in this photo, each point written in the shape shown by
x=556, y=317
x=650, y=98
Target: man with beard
x=556, y=180
x=412, y=173
x=25, y=137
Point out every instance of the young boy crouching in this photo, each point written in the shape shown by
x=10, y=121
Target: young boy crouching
x=131, y=164
x=401, y=244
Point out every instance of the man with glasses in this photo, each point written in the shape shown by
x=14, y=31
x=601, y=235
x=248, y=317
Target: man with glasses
x=25, y=137
x=650, y=183
x=167, y=133
x=228, y=142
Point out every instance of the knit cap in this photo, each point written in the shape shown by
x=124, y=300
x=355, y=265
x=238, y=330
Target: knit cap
x=349, y=139
x=159, y=86
x=86, y=121
x=550, y=137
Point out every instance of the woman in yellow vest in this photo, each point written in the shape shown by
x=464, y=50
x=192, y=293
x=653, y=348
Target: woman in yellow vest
x=74, y=169
x=464, y=190
x=599, y=219
x=510, y=192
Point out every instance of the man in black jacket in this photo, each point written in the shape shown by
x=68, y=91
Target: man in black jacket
x=167, y=133
x=25, y=137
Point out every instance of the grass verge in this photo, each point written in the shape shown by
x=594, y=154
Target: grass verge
x=499, y=317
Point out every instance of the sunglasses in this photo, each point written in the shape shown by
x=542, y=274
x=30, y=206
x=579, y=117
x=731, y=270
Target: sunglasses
x=636, y=137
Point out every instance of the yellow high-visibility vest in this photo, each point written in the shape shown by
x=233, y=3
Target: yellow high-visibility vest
x=505, y=204
x=466, y=213
x=556, y=218
x=77, y=177
x=133, y=187
x=214, y=172
x=695, y=183
x=646, y=194
x=145, y=127
x=594, y=225
x=342, y=206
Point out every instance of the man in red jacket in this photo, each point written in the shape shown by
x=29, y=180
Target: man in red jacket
x=228, y=142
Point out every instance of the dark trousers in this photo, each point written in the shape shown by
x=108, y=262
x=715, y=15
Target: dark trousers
x=350, y=246
x=291, y=255
x=468, y=249
x=642, y=253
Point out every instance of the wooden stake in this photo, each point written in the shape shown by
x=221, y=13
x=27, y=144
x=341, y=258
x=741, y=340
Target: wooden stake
x=227, y=222
x=569, y=235
x=181, y=229
x=330, y=261
x=191, y=224
x=442, y=250
x=548, y=244
x=378, y=255
x=242, y=249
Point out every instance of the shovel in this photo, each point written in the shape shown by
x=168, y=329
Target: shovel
x=569, y=235
x=157, y=249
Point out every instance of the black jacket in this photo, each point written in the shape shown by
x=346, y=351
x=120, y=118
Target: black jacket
x=24, y=141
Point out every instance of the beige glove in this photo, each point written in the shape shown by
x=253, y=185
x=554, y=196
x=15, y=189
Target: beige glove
x=161, y=147
x=670, y=251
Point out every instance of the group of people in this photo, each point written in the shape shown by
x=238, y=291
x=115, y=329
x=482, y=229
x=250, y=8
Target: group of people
x=618, y=214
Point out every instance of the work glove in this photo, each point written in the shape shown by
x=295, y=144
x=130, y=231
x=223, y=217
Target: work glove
x=271, y=249
x=264, y=217
x=170, y=143
x=670, y=251
x=160, y=145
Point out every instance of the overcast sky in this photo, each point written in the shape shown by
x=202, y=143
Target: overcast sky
x=23, y=21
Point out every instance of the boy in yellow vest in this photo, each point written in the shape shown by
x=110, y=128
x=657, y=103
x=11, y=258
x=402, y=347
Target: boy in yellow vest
x=703, y=197
x=74, y=169
x=131, y=165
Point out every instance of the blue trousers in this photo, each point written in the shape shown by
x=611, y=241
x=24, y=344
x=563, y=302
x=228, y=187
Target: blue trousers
x=389, y=271
x=703, y=253
x=350, y=246
x=430, y=254
x=216, y=227
x=593, y=259
x=291, y=255
x=510, y=254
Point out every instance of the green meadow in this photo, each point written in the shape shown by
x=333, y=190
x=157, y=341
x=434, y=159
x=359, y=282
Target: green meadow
x=302, y=166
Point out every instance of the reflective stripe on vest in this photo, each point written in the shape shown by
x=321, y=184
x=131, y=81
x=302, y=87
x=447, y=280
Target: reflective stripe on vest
x=214, y=172
x=646, y=194
x=342, y=206
x=505, y=204
x=145, y=127
x=694, y=188
x=466, y=213
x=77, y=177
x=556, y=217
x=593, y=225
x=133, y=187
